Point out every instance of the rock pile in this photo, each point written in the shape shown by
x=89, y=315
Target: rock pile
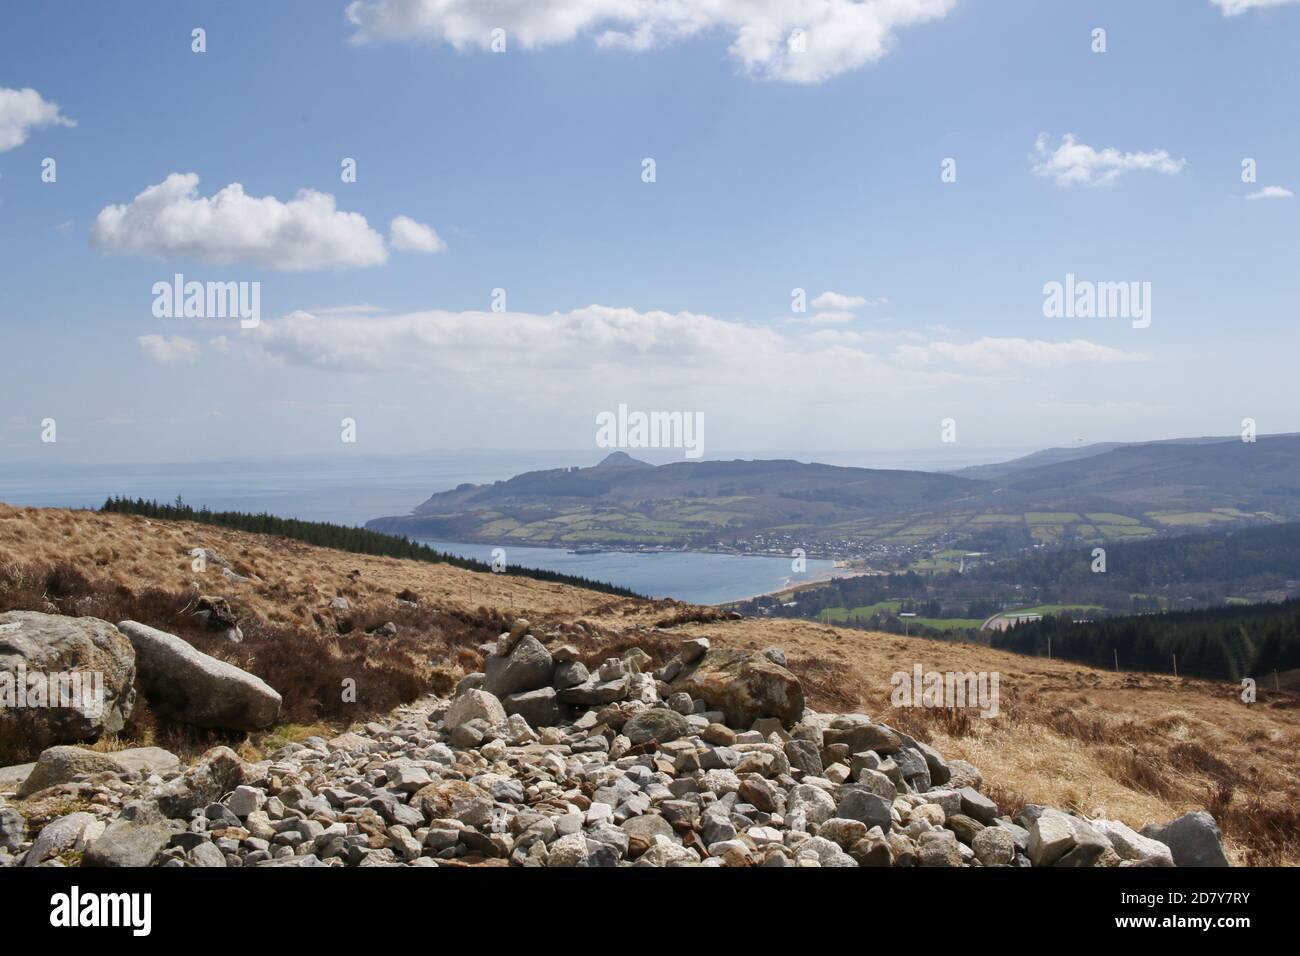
x=712, y=760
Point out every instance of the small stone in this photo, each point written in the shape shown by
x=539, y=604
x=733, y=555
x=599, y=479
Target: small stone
x=994, y=846
x=245, y=800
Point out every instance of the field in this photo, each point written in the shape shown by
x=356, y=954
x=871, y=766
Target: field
x=1136, y=747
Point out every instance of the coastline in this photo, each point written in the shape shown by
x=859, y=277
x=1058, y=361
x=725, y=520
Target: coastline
x=792, y=589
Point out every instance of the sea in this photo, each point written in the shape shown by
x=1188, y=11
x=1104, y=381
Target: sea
x=354, y=491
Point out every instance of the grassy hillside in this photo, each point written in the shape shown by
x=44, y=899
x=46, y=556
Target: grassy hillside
x=1138, y=747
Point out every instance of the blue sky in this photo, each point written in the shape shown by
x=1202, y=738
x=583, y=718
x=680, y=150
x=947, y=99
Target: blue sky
x=775, y=170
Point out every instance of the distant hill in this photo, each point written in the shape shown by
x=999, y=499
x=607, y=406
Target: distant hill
x=625, y=501
x=1052, y=456
x=1098, y=493
x=1200, y=475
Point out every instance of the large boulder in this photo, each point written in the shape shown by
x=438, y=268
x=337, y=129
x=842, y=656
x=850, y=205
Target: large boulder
x=1193, y=839
x=744, y=686
x=41, y=646
x=191, y=687
x=527, y=667
x=61, y=764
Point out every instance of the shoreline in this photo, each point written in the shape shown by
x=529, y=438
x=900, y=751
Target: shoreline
x=791, y=589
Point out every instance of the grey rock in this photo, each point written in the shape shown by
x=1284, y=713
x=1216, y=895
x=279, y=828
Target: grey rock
x=656, y=723
x=58, y=765
x=804, y=755
x=858, y=733
x=528, y=667
x=472, y=681
x=1193, y=839
x=857, y=803
x=994, y=846
x=213, y=775
x=52, y=644
x=594, y=693
x=130, y=842
x=13, y=829
x=474, y=705
x=692, y=649
x=194, y=688
x=570, y=674
x=1134, y=847
x=58, y=836
x=975, y=804
x=207, y=855
x=1050, y=838
x=538, y=707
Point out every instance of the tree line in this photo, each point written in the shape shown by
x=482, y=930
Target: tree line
x=1227, y=643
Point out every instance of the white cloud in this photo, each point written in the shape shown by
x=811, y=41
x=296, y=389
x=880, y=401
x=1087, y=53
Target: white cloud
x=1077, y=164
x=176, y=350
x=1233, y=8
x=836, y=308
x=837, y=35
x=172, y=219
x=22, y=111
x=995, y=355
x=406, y=234
x=1272, y=192
x=589, y=350
x=839, y=301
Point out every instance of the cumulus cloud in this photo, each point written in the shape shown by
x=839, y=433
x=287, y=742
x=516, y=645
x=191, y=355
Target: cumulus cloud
x=1272, y=192
x=22, y=111
x=176, y=350
x=172, y=219
x=407, y=235
x=799, y=42
x=1234, y=8
x=1072, y=163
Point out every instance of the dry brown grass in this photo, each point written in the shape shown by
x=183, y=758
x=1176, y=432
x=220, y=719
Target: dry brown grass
x=1133, y=747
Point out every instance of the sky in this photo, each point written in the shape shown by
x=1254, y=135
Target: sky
x=503, y=267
